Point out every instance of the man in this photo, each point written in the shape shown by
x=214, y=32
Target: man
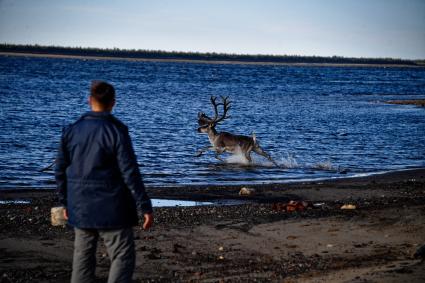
x=100, y=185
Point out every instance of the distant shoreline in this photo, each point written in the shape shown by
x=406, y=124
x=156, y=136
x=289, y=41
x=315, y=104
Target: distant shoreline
x=200, y=61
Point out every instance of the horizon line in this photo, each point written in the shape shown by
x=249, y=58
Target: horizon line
x=206, y=52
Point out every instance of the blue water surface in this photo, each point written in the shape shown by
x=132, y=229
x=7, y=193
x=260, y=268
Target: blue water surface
x=316, y=122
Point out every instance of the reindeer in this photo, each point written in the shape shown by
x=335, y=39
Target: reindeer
x=227, y=142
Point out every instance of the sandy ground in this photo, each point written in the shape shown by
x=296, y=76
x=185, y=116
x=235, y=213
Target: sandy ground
x=417, y=102
x=254, y=241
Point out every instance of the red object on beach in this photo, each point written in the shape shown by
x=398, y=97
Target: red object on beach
x=290, y=206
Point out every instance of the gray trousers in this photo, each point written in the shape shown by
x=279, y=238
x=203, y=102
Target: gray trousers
x=120, y=247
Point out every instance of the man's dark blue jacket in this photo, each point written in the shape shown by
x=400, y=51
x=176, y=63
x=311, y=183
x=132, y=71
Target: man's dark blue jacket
x=97, y=174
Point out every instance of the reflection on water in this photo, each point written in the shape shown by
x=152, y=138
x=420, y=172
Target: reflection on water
x=315, y=122
x=155, y=202
x=171, y=203
x=14, y=202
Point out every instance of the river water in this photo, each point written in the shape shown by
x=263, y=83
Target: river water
x=316, y=122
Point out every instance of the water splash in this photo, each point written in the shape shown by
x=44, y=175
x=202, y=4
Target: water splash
x=237, y=158
x=325, y=165
x=15, y=202
x=289, y=162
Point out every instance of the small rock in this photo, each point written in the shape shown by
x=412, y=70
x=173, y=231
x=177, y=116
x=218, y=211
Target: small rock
x=348, y=206
x=247, y=191
x=221, y=249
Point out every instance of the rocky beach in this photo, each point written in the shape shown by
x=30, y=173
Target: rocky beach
x=258, y=237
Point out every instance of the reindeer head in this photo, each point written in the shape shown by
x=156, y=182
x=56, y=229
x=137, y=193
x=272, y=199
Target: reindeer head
x=206, y=123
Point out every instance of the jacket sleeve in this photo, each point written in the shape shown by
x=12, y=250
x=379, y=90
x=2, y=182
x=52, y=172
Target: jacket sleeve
x=61, y=163
x=130, y=172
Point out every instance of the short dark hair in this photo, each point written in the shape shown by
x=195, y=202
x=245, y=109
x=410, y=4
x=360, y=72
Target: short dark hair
x=102, y=92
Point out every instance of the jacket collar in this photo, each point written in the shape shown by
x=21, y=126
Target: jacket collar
x=92, y=114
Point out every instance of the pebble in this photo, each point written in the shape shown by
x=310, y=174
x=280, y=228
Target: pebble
x=348, y=206
x=247, y=191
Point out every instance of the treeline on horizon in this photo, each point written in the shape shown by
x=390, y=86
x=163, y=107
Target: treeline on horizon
x=175, y=55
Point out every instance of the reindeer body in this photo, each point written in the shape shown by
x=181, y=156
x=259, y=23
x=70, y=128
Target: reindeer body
x=226, y=142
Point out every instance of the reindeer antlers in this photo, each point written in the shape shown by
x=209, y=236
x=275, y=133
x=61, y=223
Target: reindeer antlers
x=226, y=106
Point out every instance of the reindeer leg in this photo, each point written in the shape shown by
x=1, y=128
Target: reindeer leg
x=261, y=152
x=202, y=150
x=218, y=157
x=219, y=151
x=248, y=156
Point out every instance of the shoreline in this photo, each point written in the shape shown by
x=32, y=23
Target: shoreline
x=177, y=190
x=378, y=241
x=194, y=61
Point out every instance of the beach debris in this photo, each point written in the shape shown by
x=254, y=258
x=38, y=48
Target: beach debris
x=329, y=246
x=245, y=191
x=57, y=215
x=318, y=205
x=348, y=206
x=48, y=168
x=291, y=206
x=221, y=249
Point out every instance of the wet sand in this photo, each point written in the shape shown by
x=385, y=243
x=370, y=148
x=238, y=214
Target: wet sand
x=417, y=102
x=253, y=241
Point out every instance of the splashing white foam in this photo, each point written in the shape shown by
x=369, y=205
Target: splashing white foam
x=289, y=162
x=325, y=165
x=237, y=158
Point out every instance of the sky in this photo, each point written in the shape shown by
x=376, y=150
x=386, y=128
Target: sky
x=349, y=28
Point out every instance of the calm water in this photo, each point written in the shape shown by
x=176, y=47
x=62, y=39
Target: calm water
x=315, y=121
